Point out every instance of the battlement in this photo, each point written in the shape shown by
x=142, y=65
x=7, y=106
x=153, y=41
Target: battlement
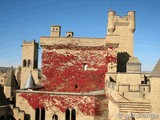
x=33, y=42
x=142, y=88
x=114, y=20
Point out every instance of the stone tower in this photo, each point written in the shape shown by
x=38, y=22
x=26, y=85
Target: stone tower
x=121, y=30
x=29, y=61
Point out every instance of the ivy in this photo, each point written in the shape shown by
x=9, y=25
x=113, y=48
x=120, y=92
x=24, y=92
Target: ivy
x=63, y=71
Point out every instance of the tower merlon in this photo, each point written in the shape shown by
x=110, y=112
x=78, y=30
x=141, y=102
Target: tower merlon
x=111, y=25
x=132, y=25
x=33, y=42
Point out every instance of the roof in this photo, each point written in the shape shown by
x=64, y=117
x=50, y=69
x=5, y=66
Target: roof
x=30, y=83
x=4, y=69
x=10, y=78
x=93, y=93
x=156, y=71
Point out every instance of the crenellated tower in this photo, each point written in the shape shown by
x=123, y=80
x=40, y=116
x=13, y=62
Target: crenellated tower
x=121, y=30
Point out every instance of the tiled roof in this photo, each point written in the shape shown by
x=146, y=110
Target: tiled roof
x=4, y=69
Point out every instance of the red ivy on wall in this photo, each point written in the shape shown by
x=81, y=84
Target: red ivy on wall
x=63, y=70
x=88, y=105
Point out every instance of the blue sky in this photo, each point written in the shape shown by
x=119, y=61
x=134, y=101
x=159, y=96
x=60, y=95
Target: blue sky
x=30, y=19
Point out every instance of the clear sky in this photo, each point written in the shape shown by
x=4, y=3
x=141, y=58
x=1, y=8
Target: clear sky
x=30, y=19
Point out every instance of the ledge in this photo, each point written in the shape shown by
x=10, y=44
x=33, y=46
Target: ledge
x=93, y=93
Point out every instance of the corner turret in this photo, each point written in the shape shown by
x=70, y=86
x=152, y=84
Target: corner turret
x=111, y=24
x=132, y=26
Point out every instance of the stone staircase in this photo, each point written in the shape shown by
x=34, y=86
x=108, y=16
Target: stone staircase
x=134, y=107
x=18, y=114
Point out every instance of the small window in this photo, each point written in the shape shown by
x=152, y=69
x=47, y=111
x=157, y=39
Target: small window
x=54, y=117
x=85, y=66
x=29, y=63
x=76, y=86
x=24, y=63
x=144, y=89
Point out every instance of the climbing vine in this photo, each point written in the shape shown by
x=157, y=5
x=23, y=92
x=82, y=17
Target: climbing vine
x=88, y=105
x=64, y=69
x=73, y=69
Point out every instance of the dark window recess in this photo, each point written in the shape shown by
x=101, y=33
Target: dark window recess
x=73, y=114
x=67, y=114
x=54, y=117
x=24, y=63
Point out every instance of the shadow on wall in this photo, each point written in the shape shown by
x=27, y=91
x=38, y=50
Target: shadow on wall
x=3, y=99
x=8, y=117
x=122, y=58
x=27, y=117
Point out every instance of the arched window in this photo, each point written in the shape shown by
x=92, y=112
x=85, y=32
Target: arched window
x=37, y=114
x=43, y=113
x=24, y=63
x=29, y=63
x=73, y=114
x=67, y=115
x=54, y=117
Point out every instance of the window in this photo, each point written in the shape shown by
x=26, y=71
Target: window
x=143, y=89
x=29, y=63
x=54, y=117
x=67, y=114
x=43, y=113
x=37, y=114
x=76, y=86
x=24, y=63
x=85, y=66
x=73, y=114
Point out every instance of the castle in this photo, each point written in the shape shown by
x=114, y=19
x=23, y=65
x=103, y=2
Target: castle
x=83, y=78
